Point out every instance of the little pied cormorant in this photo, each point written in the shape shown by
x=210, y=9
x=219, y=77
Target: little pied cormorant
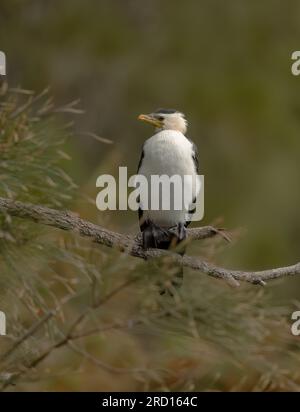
x=168, y=152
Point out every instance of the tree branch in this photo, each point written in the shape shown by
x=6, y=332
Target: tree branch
x=124, y=243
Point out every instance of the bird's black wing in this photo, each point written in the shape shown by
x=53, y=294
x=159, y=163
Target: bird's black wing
x=195, y=157
x=196, y=163
x=140, y=211
x=141, y=159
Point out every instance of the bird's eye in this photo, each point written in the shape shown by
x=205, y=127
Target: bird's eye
x=160, y=118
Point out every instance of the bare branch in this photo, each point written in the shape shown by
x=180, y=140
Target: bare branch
x=127, y=244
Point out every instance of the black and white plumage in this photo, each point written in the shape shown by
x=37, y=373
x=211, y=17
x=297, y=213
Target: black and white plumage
x=168, y=152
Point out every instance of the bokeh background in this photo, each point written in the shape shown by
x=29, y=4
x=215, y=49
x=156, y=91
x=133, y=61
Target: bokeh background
x=227, y=66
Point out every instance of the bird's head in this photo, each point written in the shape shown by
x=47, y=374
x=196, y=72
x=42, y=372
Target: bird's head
x=166, y=119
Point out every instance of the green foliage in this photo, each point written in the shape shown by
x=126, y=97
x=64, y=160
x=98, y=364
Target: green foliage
x=31, y=143
x=31, y=146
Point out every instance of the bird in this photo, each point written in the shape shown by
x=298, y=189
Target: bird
x=168, y=152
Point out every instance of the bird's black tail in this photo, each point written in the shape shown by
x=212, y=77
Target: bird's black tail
x=160, y=238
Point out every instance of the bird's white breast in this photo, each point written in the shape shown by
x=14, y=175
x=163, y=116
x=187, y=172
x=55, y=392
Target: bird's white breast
x=169, y=153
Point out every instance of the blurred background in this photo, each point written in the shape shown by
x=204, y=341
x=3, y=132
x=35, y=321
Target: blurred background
x=227, y=66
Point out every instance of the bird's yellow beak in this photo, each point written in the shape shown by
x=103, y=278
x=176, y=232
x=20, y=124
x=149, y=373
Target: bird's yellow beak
x=150, y=119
